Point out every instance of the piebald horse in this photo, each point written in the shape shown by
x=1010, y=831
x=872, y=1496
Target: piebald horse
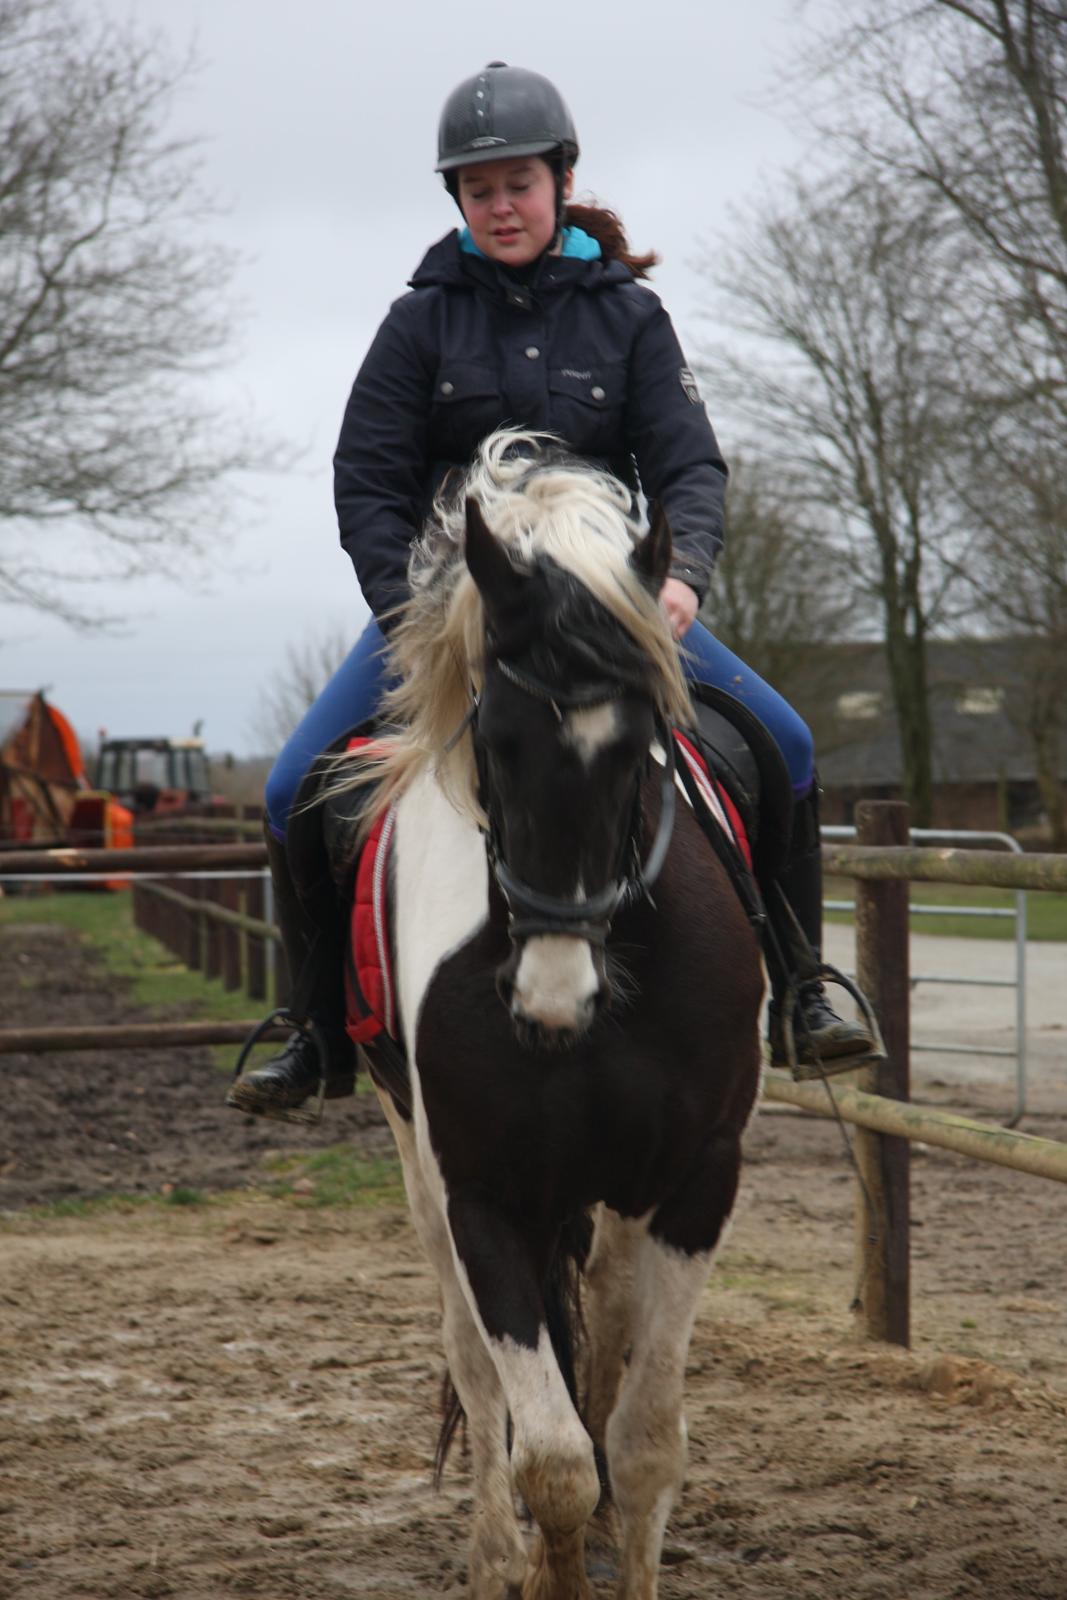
x=577, y=988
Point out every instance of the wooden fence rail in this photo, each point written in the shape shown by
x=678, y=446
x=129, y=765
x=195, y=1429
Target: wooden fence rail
x=981, y=868
x=201, y=828
x=139, y=858
x=130, y=1036
x=209, y=910
x=1004, y=1147
x=989, y=869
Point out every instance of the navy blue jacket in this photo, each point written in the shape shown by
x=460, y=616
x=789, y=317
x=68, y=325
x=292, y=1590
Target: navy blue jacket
x=585, y=352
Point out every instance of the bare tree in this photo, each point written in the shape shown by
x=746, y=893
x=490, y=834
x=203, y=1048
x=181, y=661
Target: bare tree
x=850, y=378
x=110, y=309
x=967, y=99
x=780, y=596
x=307, y=668
x=1017, y=498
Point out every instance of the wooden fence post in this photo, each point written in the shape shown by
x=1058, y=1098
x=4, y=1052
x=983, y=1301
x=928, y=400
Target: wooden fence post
x=212, y=892
x=173, y=924
x=256, y=948
x=232, y=938
x=191, y=942
x=253, y=976
x=139, y=901
x=882, y=971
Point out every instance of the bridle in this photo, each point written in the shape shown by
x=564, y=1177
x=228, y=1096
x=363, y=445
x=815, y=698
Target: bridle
x=530, y=912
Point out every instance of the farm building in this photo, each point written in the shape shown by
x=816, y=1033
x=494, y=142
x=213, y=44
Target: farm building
x=997, y=721
x=41, y=769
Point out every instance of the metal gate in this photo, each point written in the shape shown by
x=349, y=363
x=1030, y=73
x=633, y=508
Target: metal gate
x=969, y=837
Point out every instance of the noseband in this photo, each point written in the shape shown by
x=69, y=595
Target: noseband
x=530, y=912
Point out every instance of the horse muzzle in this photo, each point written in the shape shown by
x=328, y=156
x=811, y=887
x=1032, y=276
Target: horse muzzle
x=553, y=985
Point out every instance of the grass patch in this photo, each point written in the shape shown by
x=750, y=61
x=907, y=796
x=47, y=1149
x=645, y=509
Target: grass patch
x=153, y=975
x=1046, y=913
x=124, y=1204
x=338, y=1176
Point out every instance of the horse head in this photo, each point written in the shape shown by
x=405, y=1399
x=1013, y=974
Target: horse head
x=565, y=721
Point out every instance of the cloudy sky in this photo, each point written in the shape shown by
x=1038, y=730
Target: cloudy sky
x=319, y=122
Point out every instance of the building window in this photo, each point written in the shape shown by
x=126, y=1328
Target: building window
x=980, y=700
x=859, y=703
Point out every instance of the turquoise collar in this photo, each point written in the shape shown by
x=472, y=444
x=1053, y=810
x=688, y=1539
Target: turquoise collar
x=577, y=244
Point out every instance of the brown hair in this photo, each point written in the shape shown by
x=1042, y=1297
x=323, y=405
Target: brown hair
x=605, y=227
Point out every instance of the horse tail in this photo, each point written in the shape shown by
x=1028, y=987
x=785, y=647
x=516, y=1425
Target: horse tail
x=563, y=1318
x=452, y=1415
x=563, y=1298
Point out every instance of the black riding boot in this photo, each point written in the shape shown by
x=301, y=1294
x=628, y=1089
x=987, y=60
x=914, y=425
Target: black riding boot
x=313, y=937
x=820, y=1035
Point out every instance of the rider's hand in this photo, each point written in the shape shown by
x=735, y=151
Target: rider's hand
x=680, y=603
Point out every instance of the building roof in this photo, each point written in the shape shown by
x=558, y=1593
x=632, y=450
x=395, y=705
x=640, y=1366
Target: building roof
x=14, y=709
x=980, y=691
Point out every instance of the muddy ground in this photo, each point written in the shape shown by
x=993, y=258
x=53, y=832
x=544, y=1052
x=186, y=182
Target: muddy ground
x=239, y=1397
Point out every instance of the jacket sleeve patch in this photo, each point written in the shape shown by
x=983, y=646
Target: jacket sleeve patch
x=689, y=385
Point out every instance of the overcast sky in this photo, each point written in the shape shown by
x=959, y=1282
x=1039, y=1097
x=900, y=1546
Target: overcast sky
x=319, y=123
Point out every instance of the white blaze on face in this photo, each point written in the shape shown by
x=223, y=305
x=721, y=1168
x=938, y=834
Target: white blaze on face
x=555, y=982
x=590, y=729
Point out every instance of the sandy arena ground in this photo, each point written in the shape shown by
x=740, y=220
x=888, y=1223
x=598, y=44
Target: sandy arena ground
x=240, y=1397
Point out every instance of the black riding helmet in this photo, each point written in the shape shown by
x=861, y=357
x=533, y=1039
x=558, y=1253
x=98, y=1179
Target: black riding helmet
x=505, y=111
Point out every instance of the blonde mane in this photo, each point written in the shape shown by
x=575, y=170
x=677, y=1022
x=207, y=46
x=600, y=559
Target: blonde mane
x=537, y=502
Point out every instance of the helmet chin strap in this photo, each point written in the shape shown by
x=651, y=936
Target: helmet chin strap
x=559, y=172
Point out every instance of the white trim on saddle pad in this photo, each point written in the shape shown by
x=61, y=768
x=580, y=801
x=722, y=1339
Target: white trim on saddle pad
x=708, y=790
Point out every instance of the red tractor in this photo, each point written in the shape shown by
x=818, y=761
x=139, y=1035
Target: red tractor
x=157, y=777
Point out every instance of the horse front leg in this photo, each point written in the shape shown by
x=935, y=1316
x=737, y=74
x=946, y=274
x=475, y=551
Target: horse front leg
x=608, y=1292
x=646, y=1432
x=552, y=1457
x=496, y=1556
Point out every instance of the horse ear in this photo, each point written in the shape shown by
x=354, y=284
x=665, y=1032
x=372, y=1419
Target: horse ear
x=652, y=556
x=488, y=561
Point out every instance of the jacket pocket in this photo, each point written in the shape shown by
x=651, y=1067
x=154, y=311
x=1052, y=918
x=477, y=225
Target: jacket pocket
x=586, y=407
x=466, y=406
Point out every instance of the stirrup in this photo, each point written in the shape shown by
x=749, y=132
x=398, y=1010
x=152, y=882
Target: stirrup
x=804, y=1071
x=311, y=1111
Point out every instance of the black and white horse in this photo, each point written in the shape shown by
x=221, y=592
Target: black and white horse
x=578, y=989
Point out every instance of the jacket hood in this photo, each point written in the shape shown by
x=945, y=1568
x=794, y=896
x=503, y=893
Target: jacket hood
x=445, y=264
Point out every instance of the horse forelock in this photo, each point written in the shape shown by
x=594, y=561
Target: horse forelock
x=548, y=510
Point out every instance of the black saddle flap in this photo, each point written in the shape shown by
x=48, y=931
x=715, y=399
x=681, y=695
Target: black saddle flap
x=743, y=756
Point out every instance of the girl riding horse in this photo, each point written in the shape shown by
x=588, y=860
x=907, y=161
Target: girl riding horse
x=530, y=315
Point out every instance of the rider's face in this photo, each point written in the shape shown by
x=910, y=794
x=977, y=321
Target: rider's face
x=510, y=207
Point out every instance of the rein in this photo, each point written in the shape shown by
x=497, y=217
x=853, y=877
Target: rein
x=530, y=911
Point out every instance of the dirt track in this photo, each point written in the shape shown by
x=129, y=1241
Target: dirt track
x=240, y=1398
